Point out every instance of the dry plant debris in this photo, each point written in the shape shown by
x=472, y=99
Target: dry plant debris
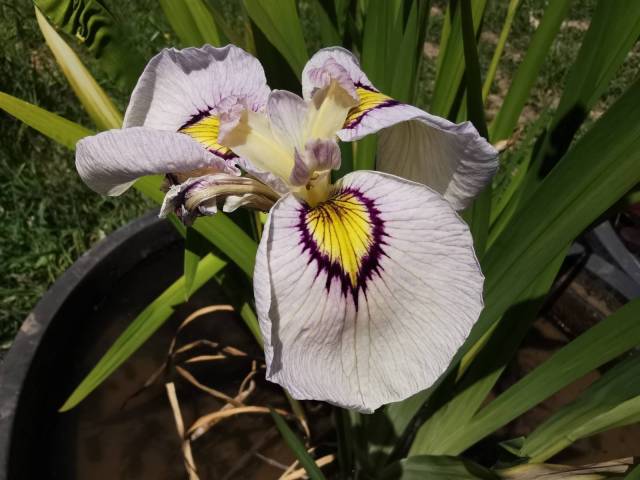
x=233, y=405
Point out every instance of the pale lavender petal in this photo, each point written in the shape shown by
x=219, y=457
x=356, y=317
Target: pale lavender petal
x=377, y=316
x=110, y=162
x=179, y=87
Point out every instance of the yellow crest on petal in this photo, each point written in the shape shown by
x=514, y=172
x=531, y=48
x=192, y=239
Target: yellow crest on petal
x=205, y=131
x=369, y=100
x=343, y=232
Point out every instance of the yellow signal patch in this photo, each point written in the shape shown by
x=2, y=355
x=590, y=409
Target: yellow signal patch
x=205, y=131
x=342, y=231
x=369, y=100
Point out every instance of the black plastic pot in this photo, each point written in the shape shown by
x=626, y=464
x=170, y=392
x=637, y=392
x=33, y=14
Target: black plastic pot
x=40, y=362
x=65, y=335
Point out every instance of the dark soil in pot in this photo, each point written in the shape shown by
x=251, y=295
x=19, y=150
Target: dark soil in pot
x=116, y=433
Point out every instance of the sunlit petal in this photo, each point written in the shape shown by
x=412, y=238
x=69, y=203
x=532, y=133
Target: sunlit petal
x=333, y=63
x=452, y=159
x=252, y=138
x=287, y=114
x=188, y=90
x=364, y=299
x=178, y=86
x=328, y=109
x=111, y=161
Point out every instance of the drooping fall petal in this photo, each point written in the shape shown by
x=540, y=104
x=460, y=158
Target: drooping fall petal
x=365, y=298
x=188, y=90
x=111, y=161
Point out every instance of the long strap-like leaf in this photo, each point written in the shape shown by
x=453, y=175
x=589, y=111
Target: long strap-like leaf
x=94, y=99
x=527, y=72
x=91, y=22
x=141, y=328
x=602, y=343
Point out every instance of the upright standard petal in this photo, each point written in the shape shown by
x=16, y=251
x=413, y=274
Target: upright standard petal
x=453, y=159
x=110, y=162
x=364, y=299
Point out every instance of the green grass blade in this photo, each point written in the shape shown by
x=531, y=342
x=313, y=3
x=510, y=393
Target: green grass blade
x=634, y=475
x=527, y=73
x=600, y=168
x=280, y=23
x=344, y=435
x=195, y=248
x=151, y=187
x=473, y=80
x=328, y=33
x=144, y=325
x=602, y=343
x=57, y=128
x=405, y=73
x=96, y=28
x=232, y=240
x=94, y=99
x=451, y=67
x=602, y=406
x=497, y=53
x=444, y=39
x=591, y=177
x=521, y=160
x=550, y=471
x=423, y=467
x=193, y=21
x=364, y=157
x=613, y=31
x=381, y=39
x=251, y=321
x=481, y=208
x=297, y=447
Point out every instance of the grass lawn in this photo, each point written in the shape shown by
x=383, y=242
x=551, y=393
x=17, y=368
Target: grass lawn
x=48, y=217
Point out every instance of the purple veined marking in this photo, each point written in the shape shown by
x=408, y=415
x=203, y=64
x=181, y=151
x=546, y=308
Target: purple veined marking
x=387, y=103
x=370, y=264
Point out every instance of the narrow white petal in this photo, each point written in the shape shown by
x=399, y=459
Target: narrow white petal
x=252, y=139
x=287, y=113
x=180, y=86
x=111, y=161
x=365, y=299
x=328, y=110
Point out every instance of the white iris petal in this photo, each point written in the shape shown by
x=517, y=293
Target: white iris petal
x=389, y=330
x=452, y=159
x=364, y=289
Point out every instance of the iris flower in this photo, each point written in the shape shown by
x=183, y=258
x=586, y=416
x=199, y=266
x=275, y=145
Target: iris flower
x=365, y=288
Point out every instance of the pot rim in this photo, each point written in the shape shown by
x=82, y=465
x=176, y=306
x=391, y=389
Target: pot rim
x=18, y=360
